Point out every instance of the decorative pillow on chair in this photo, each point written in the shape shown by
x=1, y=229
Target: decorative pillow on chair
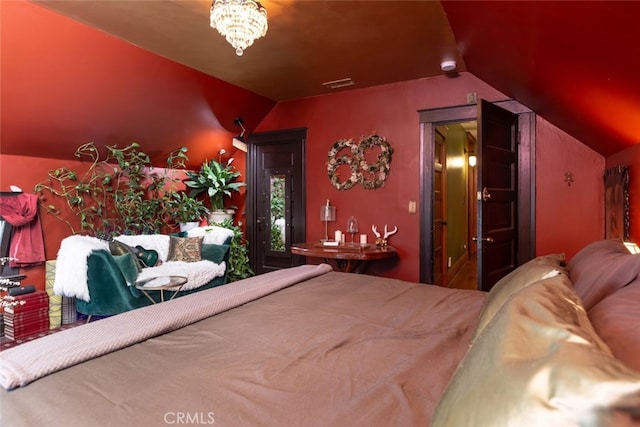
x=187, y=249
x=118, y=248
x=157, y=242
x=540, y=363
x=144, y=257
x=601, y=268
x=215, y=253
x=530, y=272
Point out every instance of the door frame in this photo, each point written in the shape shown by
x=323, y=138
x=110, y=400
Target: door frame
x=526, y=176
x=298, y=212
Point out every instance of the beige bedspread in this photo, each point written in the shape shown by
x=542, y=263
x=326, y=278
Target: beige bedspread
x=337, y=349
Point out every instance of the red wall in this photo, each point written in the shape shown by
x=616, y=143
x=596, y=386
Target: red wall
x=64, y=84
x=631, y=158
x=391, y=111
x=567, y=216
x=69, y=83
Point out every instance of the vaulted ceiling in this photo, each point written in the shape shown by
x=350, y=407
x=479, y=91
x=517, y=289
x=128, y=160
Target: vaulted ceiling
x=574, y=63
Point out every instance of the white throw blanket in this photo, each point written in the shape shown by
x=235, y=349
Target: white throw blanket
x=25, y=363
x=212, y=234
x=198, y=273
x=156, y=242
x=71, y=265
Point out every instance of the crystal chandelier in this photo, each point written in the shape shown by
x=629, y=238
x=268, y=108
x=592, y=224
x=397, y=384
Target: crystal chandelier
x=239, y=21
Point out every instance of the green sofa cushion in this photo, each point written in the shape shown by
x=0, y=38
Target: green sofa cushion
x=215, y=253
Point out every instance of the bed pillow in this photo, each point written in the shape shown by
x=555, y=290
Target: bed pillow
x=601, y=268
x=187, y=249
x=617, y=320
x=540, y=363
x=530, y=272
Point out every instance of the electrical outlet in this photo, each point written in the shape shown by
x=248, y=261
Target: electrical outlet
x=472, y=98
x=412, y=206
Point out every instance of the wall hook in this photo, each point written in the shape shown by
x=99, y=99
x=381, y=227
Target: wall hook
x=568, y=178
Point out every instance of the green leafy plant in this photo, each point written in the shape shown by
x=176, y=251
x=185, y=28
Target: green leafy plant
x=120, y=192
x=276, y=238
x=277, y=206
x=216, y=180
x=238, y=267
x=187, y=209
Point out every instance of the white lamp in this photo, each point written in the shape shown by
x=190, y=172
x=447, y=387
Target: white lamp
x=327, y=213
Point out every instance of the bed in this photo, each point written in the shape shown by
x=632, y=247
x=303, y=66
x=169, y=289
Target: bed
x=310, y=346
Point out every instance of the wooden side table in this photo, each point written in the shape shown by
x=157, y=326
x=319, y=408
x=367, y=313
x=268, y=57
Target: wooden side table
x=350, y=257
x=162, y=283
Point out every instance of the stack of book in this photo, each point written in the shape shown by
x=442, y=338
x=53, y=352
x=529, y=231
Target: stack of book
x=30, y=318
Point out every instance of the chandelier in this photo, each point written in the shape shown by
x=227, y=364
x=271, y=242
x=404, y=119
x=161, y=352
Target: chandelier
x=239, y=21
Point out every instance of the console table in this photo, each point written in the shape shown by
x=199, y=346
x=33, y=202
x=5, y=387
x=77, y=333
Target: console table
x=350, y=257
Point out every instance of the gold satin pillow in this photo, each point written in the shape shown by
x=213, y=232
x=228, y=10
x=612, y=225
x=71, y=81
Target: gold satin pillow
x=538, y=268
x=187, y=249
x=540, y=363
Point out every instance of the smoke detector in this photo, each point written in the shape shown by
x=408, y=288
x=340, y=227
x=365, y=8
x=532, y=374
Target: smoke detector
x=448, y=65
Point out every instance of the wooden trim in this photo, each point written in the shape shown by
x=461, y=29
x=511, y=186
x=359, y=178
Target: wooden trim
x=526, y=176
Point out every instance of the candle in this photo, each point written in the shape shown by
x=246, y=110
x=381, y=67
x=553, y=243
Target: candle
x=338, y=236
x=363, y=239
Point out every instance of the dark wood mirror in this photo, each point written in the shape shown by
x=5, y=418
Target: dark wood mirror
x=616, y=202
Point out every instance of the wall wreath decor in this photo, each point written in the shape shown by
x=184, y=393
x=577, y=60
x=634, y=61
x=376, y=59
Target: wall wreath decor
x=357, y=156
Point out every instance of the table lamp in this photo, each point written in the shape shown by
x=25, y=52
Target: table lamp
x=327, y=213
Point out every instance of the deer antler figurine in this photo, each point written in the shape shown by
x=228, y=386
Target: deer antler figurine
x=383, y=241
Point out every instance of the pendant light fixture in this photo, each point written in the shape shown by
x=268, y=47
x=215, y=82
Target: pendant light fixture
x=239, y=21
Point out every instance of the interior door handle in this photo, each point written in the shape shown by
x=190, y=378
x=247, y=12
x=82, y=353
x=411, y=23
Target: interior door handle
x=485, y=194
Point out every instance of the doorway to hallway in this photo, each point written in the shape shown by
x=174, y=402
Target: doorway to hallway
x=518, y=160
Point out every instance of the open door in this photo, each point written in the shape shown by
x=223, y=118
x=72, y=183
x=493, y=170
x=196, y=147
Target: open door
x=439, y=209
x=497, y=233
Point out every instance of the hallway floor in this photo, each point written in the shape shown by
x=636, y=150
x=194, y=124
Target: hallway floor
x=467, y=277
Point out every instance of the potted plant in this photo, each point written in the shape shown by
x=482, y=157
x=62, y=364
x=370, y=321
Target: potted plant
x=187, y=211
x=216, y=180
x=119, y=192
x=238, y=267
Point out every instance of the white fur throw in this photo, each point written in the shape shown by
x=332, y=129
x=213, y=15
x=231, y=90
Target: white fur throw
x=157, y=242
x=71, y=265
x=198, y=273
x=212, y=234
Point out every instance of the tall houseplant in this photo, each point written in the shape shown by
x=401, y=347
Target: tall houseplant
x=216, y=180
x=121, y=192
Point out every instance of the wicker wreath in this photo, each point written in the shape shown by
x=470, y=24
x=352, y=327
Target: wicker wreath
x=358, y=165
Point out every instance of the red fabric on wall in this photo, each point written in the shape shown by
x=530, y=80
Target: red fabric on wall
x=27, y=242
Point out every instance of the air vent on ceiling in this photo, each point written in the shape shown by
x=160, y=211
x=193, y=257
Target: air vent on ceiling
x=335, y=84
